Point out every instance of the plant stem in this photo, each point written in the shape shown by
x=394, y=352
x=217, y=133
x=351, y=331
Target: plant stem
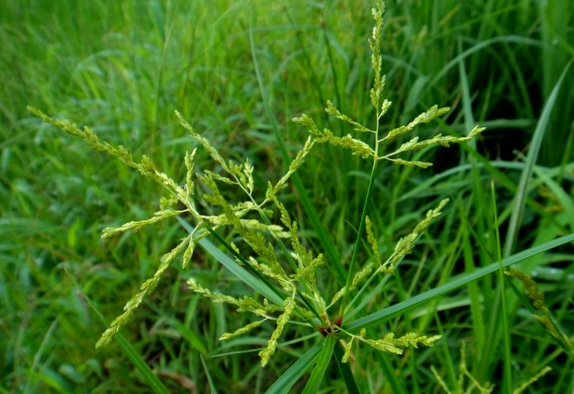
x=506, y=329
x=361, y=229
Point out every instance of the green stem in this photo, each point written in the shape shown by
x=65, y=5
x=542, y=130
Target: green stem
x=363, y=214
x=506, y=329
x=359, y=236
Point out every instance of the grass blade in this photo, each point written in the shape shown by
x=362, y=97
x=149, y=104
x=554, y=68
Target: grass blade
x=323, y=362
x=194, y=341
x=344, y=370
x=393, y=378
x=295, y=371
x=562, y=196
x=402, y=307
x=151, y=379
x=506, y=330
x=209, y=379
x=478, y=47
x=516, y=218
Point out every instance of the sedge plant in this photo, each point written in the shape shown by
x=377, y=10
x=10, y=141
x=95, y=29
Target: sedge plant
x=269, y=252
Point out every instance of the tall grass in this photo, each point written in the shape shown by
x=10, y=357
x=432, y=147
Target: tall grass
x=123, y=67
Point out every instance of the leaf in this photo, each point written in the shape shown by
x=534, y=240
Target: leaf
x=386, y=314
x=345, y=371
x=516, y=218
x=295, y=371
x=323, y=362
x=209, y=379
x=136, y=359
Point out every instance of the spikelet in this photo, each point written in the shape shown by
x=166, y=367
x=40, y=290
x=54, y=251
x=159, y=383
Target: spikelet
x=544, y=316
x=288, y=308
x=390, y=344
x=145, y=289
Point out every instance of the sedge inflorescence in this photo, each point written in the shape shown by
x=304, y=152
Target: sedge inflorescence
x=272, y=254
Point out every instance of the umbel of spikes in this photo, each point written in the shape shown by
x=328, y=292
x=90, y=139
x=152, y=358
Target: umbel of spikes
x=275, y=253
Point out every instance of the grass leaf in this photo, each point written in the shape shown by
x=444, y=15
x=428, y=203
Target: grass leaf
x=386, y=314
x=516, y=218
x=345, y=371
x=136, y=359
x=286, y=381
x=323, y=362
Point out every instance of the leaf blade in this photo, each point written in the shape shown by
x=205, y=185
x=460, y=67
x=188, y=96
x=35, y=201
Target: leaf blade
x=323, y=362
x=398, y=309
x=295, y=371
x=526, y=176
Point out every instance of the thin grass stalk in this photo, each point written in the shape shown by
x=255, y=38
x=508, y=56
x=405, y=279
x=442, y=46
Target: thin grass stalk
x=361, y=229
x=504, y=317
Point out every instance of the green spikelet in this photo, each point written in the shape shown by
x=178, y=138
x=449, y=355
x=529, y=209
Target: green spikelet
x=531, y=287
x=532, y=380
x=109, y=232
x=288, y=308
x=390, y=344
x=544, y=316
x=241, y=331
x=145, y=289
x=348, y=347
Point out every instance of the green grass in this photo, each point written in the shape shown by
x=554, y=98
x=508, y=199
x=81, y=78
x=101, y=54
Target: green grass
x=238, y=72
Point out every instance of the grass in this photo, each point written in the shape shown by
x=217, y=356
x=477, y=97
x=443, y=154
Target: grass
x=238, y=73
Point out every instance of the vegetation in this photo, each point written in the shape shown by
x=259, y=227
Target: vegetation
x=346, y=268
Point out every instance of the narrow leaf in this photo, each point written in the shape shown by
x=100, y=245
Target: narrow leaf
x=345, y=371
x=516, y=218
x=209, y=379
x=295, y=371
x=136, y=359
x=323, y=362
x=386, y=314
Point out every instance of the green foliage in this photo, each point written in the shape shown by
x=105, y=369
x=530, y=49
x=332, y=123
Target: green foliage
x=122, y=69
x=473, y=385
